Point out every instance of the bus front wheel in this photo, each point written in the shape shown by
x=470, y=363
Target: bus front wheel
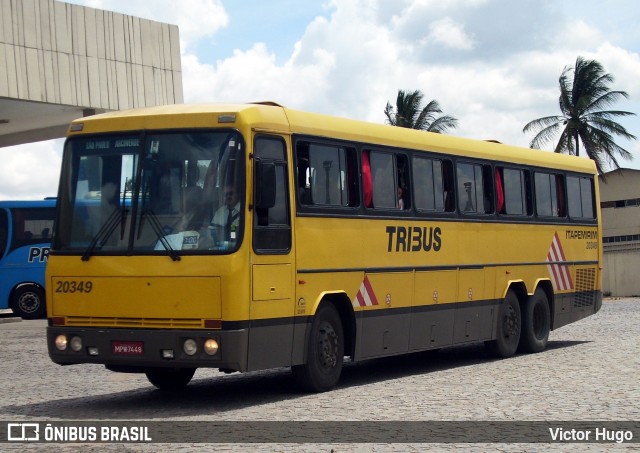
x=508, y=328
x=170, y=379
x=325, y=352
x=536, y=323
x=27, y=301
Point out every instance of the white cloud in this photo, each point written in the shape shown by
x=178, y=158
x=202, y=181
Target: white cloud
x=449, y=33
x=623, y=65
x=493, y=64
x=197, y=19
x=577, y=35
x=30, y=171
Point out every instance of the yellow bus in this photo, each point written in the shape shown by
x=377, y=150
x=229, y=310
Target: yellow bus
x=247, y=237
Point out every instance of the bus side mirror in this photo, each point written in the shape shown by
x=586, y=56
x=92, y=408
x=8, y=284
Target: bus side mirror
x=265, y=184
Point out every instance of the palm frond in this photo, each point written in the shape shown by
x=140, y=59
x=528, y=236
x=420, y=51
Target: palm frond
x=605, y=100
x=541, y=123
x=563, y=143
x=545, y=135
x=443, y=124
x=604, y=123
x=584, y=100
x=410, y=113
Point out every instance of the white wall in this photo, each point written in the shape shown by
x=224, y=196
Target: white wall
x=60, y=53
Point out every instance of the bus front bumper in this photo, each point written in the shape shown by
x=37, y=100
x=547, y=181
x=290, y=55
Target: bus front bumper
x=135, y=350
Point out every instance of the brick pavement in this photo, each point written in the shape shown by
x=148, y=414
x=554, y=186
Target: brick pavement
x=588, y=372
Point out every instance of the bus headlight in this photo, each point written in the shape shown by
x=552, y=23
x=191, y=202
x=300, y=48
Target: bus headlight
x=211, y=346
x=190, y=347
x=61, y=342
x=76, y=344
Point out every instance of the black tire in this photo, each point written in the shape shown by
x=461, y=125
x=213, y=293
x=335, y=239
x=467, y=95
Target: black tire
x=508, y=329
x=536, y=323
x=27, y=301
x=170, y=379
x=325, y=352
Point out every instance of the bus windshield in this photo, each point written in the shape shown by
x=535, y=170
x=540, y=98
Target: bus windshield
x=165, y=193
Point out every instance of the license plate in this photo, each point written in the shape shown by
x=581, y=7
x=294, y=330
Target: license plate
x=127, y=347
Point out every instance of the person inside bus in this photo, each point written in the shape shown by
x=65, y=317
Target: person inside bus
x=195, y=210
x=224, y=224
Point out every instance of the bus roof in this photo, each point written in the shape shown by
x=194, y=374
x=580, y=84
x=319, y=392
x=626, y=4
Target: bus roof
x=270, y=116
x=46, y=203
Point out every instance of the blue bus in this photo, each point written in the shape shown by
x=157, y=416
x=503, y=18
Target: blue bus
x=25, y=237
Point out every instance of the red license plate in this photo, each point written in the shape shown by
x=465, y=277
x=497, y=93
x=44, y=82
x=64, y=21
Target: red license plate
x=127, y=347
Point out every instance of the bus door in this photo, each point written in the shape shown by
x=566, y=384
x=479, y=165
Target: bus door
x=272, y=307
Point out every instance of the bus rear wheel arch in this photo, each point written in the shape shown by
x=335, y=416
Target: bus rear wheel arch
x=536, y=322
x=28, y=301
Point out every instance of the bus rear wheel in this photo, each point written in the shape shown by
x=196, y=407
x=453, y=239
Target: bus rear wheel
x=325, y=352
x=536, y=323
x=508, y=329
x=27, y=301
x=170, y=379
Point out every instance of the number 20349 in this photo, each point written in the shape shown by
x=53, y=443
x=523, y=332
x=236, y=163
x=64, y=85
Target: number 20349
x=74, y=286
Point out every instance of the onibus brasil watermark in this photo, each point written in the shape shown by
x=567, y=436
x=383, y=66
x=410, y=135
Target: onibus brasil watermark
x=299, y=431
x=48, y=432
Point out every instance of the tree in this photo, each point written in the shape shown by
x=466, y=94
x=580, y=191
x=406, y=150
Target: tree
x=410, y=113
x=584, y=120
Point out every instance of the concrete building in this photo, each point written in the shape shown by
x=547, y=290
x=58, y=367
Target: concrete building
x=620, y=203
x=60, y=61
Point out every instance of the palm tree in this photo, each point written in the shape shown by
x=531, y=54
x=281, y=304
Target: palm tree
x=410, y=113
x=583, y=100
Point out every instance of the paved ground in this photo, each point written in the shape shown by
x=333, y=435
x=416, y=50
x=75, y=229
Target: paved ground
x=588, y=373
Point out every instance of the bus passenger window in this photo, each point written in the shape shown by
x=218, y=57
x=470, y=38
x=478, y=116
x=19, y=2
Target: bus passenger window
x=580, y=197
x=29, y=224
x=326, y=175
x=550, y=200
x=515, y=191
x=384, y=180
x=475, y=190
x=428, y=182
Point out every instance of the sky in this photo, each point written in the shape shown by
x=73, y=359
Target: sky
x=492, y=64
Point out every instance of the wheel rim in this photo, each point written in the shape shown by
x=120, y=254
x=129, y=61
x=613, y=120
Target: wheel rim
x=328, y=342
x=29, y=302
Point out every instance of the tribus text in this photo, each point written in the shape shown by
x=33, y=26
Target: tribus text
x=413, y=239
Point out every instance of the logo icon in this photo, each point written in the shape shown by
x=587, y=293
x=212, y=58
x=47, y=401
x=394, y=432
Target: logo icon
x=23, y=432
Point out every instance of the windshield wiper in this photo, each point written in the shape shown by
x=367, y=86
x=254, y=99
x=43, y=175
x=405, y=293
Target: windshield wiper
x=118, y=216
x=157, y=228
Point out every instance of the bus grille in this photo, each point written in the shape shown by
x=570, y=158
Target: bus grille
x=585, y=294
x=134, y=322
